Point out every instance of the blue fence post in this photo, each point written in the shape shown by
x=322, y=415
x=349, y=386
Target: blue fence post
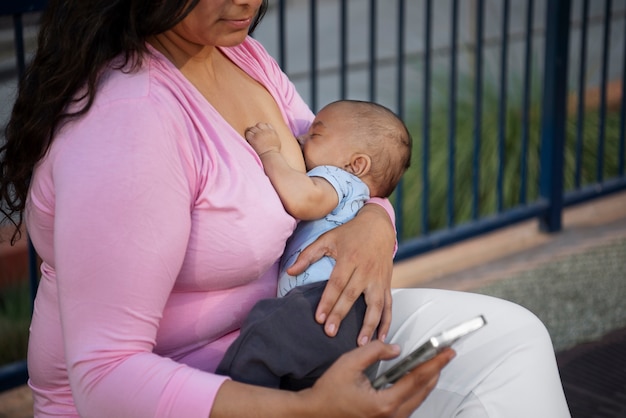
x=554, y=113
x=18, y=35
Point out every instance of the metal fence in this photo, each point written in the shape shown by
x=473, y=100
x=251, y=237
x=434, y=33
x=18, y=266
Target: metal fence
x=517, y=107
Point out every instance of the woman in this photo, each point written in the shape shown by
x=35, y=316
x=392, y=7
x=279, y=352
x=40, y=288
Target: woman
x=158, y=231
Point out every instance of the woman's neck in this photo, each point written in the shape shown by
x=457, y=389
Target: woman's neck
x=188, y=57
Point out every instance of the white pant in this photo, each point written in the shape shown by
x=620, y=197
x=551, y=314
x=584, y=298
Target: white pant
x=505, y=370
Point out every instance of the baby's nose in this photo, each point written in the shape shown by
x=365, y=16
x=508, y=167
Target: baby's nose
x=302, y=139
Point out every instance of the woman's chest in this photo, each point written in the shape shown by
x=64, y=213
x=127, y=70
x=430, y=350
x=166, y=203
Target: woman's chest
x=238, y=224
x=243, y=102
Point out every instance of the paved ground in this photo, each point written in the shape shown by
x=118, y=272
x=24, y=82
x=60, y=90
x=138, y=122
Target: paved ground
x=501, y=254
x=573, y=280
x=594, y=377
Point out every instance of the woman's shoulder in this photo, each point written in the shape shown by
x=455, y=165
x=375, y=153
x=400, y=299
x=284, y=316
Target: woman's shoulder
x=127, y=96
x=120, y=83
x=151, y=88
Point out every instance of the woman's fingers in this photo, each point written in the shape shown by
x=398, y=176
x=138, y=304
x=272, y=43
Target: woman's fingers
x=338, y=297
x=344, y=390
x=362, y=268
x=384, y=323
x=364, y=357
x=415, y=386
x=308, y=256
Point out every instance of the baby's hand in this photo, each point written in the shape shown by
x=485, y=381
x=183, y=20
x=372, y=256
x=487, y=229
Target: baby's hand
x=263, y=138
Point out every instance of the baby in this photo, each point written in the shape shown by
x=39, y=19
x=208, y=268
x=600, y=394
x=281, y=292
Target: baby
x=353, y=150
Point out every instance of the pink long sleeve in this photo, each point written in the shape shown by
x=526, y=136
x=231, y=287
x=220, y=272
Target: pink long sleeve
x=151, y=254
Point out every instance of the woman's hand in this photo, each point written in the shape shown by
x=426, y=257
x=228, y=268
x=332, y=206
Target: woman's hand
x=363, y=249
x=344, y=391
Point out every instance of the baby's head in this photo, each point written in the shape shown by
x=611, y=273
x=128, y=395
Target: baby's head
x=364, y=138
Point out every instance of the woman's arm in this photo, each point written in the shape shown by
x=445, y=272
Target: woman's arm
x=343, y=391
x=122, y=225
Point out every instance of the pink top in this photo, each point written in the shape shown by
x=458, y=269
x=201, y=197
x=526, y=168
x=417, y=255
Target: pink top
x=158, y=231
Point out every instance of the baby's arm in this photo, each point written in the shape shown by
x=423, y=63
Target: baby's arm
x=303, y=197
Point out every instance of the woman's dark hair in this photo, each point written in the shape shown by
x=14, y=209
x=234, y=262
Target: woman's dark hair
x=77, y=38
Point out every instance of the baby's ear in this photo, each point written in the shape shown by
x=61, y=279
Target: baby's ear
x=360, y=164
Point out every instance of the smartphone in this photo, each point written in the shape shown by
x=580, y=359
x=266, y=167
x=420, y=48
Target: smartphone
x=428, y=350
